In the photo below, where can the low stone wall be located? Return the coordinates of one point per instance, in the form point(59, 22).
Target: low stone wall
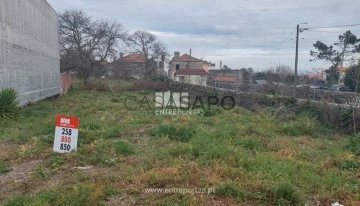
point(334, 114)
point(248, 100)
point(303, 93)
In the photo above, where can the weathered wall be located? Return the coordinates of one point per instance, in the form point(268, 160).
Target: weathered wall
point(193, 79)
point(29, 49)
point(339, 117)
point(183, 65)
point(233, 73)
point(302, 93)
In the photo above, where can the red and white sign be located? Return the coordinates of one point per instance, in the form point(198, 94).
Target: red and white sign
point(66, 134)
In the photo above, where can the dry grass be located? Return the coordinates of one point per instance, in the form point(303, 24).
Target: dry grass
point(250, 158)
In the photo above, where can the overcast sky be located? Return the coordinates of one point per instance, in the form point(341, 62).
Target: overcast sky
point(241, 33)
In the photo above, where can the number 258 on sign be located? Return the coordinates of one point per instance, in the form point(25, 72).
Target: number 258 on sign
point(66, 134)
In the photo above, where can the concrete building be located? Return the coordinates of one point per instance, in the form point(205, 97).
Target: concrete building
point(192, 76)
point(29, 49)
point(188, 69)
point(185, 62)
point(238, 74)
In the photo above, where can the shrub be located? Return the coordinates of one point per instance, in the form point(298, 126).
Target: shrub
point(9, 105)
point(354, 145)
point(124, 148)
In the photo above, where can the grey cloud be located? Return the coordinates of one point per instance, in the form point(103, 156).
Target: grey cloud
point(243, 33)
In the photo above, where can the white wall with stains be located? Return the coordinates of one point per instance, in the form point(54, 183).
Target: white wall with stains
point(29, 49)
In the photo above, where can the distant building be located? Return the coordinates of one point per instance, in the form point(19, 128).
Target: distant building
point(185, 62)
point(225, 79)
point(319, 76)
point(188, 69)
point(29, 49)
point(342, 71)
point(192, 76)
point(237, 74)
point(134, 66)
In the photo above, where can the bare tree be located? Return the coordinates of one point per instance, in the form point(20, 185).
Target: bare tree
point(85, 44)
point(147, 44)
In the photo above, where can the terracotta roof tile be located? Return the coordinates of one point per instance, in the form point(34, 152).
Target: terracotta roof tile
point(342, 69)
point(191, 72)
point(134, 58)
point(315, 76)
point(186, 58)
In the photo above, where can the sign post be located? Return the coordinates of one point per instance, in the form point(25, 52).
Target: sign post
point(66, 134)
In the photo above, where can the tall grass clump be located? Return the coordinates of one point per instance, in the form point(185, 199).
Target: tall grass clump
point(9, 105)
point(181, 134)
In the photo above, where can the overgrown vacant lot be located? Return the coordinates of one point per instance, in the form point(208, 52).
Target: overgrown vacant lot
point(249, 158)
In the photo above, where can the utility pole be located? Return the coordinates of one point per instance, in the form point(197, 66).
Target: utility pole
point(296, 54)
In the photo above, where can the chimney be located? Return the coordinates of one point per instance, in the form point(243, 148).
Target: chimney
point(176, 54)
point(221, 67)
point(121, 55)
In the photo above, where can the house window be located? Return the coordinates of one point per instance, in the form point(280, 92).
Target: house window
point(181, 79)
point(177, 67)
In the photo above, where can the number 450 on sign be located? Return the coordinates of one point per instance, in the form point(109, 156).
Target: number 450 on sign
point(66, 134)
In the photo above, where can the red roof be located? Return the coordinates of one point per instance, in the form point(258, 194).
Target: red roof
point(186, 58)
point(225, 78)
point(315, 76)
point(342, 69)
point(134, 58)
point(191, 72)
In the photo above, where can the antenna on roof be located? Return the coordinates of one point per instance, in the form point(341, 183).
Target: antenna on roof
point(190, 51)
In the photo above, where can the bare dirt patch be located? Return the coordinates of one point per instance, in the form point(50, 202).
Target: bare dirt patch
point(17, 180)
point(7, 151)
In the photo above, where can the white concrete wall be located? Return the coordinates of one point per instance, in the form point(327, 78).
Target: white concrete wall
point(29, 49)
point(192, 79)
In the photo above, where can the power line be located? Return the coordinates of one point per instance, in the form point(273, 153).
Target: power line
point(325, 27)
point(334, 32)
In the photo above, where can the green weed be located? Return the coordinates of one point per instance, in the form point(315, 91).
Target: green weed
point(124, 148)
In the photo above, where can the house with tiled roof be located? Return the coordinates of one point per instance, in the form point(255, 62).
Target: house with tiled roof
point(342, 72)
point(188, 69)
point(192, 76)
point(319, 76)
